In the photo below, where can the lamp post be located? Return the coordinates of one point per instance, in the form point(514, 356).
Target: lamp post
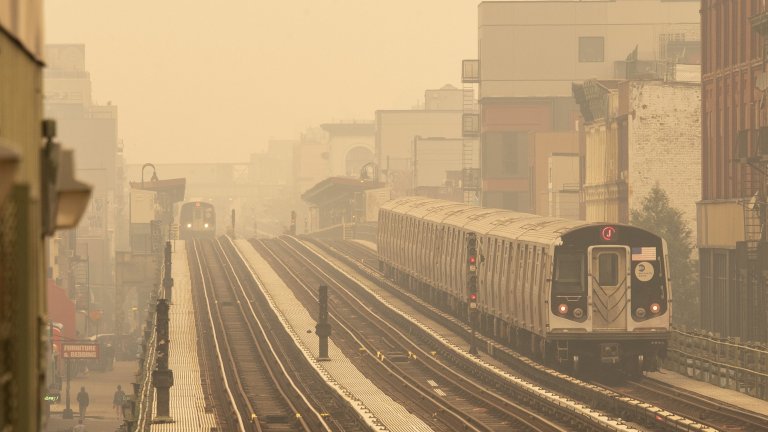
point(9, 163)
point(64, 197)
point(154, 173)
point(374, 176)
point(72, 195)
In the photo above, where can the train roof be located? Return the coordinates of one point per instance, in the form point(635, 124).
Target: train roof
point(486, 221)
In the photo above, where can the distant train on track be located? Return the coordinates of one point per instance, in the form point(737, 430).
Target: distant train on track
point(577, 293)
point(197, 219)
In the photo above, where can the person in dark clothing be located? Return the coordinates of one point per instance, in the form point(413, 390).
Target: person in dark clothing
point(117, 401)
point(82, 401)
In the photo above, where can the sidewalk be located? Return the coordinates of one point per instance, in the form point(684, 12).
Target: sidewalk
point(101, 386)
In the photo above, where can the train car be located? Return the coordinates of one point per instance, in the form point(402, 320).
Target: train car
point(197, 219)
point(577, 293)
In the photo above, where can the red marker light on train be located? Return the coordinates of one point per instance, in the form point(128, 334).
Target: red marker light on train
point(472, 259)
point(473, 297)
point(563, 309)
point(655, 308)
point(197, 204)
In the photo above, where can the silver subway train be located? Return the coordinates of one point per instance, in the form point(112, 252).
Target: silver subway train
point(197, 219)
point(577, 293)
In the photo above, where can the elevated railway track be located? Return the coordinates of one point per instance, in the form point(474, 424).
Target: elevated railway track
point(632, 400)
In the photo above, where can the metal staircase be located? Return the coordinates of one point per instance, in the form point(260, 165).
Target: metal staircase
point(753, 178)
point(754, 292)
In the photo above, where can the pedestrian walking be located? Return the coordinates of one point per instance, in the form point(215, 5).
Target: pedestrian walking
point(117, 401)
point(79, 427)
point(82, 401)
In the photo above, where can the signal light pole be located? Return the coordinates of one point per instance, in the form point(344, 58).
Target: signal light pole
point(323, 327)
point(472, 288)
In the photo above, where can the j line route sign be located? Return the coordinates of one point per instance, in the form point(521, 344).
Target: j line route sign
point(79, 351)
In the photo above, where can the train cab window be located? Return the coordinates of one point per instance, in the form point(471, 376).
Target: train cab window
point(608, 269)
point(569, 273)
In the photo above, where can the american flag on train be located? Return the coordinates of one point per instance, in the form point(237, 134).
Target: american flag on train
point(643, 254)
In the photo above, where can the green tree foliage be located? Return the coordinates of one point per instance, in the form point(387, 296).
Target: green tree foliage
point(658, 217)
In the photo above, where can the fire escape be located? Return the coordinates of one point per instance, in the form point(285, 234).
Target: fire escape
point(752, 252)
point(470, 131)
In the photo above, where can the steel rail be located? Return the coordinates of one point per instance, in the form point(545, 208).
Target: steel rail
point(619, 404)
point(718, 408)
point(468, 425)
point(216, 340)
point(715, 409)
point(493, 399)
point(272, 350)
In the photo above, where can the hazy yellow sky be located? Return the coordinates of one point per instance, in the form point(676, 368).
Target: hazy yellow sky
point(198, 80)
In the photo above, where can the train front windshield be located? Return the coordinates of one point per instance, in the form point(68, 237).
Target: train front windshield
point(569, 274)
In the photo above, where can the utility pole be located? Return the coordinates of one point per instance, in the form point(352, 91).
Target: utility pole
point(167, 279)
point(67, 413)
point(233, 223)
point(323, 327)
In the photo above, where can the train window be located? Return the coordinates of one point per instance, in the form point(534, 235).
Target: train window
point(569, 273)
point(608, 269)
point(569, 268)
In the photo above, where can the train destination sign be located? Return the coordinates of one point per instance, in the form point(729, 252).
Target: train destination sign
point(79, 351)
point(607, 233)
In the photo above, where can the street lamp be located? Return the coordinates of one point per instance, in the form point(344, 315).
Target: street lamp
point(373, 176)
point(154, 173)
point(9, 163)
point(72, 195)
point(64, 198)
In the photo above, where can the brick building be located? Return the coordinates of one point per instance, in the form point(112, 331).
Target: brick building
point(639, 133)
point(731, 214)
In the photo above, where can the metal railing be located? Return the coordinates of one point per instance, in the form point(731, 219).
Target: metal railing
point(725, 362)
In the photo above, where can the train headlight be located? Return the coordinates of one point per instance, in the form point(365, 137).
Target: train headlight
point(655, 308)
point(563, 309)
point(640, 312)
point(578, 313)
point(189, 225)
point(206, 225)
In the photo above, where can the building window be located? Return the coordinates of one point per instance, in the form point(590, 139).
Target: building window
point(505, 154)
point(591, 49)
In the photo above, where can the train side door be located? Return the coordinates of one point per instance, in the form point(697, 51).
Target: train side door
point(609, 285)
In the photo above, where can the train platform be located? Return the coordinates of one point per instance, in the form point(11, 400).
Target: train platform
point(100, 416)
point(374, 406)
point(187, 400)
point(704, 389)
